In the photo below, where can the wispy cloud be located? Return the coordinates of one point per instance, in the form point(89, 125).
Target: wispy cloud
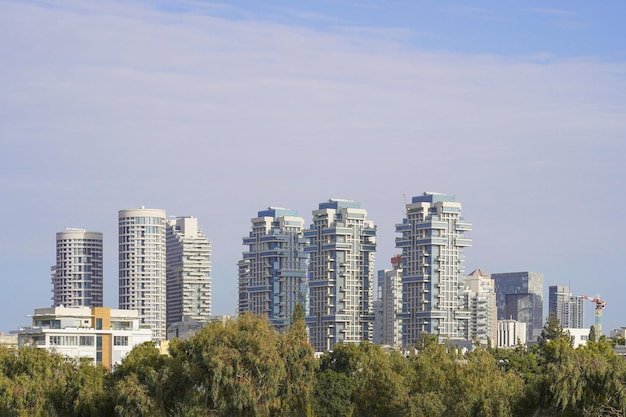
point(552, 12)
point(109, 104)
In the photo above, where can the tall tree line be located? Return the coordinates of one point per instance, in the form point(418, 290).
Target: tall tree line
point(244, 368)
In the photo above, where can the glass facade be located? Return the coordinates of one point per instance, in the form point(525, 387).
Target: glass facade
point(520, 297)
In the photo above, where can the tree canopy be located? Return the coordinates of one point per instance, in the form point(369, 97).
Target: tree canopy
point(244, 368)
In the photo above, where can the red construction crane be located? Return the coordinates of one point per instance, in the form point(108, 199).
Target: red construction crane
point(600, 304)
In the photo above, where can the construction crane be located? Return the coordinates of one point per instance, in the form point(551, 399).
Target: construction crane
point(600, 304)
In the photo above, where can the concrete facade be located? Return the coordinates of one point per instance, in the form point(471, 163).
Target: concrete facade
point(77, 276)
point(388, 306)
point(275, 279)
point(142, 271)
point(101, 334)
point(482, 307)
point(433, 243)
point(342, 244)
point(511, 333)
point(188, 272)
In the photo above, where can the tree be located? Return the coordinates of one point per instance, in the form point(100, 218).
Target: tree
point(592, 334)
point(143, 373)
point(234, 368)
point(87, 392)
point(552, 330)
point(300, 365)
point(380, 384)
point(332, 394)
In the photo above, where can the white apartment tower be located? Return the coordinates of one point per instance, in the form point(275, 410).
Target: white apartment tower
point(432, 244)
point(388, 323)
point(273, 272)
point(341, 275)
point(188, 264)
point(77, 275)
point(142, 266)
point(481, 294)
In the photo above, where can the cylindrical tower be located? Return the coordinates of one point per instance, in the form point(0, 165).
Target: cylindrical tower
point(77, 275)
point(142, 266)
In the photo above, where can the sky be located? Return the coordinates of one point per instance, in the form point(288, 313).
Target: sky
point(219, 110)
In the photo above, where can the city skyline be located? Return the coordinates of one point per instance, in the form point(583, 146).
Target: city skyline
point(215, 110)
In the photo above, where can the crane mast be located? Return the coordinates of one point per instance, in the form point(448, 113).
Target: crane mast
point(600, 304)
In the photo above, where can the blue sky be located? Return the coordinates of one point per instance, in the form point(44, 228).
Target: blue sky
point(218, 110)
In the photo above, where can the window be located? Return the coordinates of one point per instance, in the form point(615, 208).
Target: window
point(63, 340)
point(120, 340)
point(98, 324)
point(86, 341)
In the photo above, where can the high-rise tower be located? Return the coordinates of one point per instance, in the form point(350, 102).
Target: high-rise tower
point(519, 296)
point(388, 305)
point(77, 275)
point(564, 306)
point(482, 307)
point(341, 274)
point(274, 278)
point(142, 266)
point(432, 244)
point(188, 262)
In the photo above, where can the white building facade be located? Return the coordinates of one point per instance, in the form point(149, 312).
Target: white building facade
point(101, 334)
point(142, 269)
point(77, 276)
point(432, 244)
point(276, 275)
point(188, 272)
point(341, 274)
point(482, 307)
point(511, 333)
point(388, 306)
point(580, 336)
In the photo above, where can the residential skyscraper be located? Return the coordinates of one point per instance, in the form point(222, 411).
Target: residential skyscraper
point(188, 263)
point(432, 244)
point(77, 276)
point(142, 266)
point(243, 273)
point(388, 305)
point(482, 307)
point(341, 274)
point(519, 296)
point(567, 308)
point(274, 281)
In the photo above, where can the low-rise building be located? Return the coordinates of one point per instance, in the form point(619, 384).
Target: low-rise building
point(8, 340)
point(579, 336)
point(101, 334)
point(511, 333)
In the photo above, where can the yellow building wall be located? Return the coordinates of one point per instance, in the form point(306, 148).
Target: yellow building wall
point(104, 313)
